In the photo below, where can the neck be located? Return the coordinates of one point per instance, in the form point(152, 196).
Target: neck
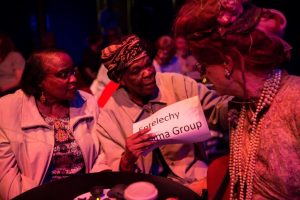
point(54, 109)
point(139, 100)
point(143, 100)
point(254, 85)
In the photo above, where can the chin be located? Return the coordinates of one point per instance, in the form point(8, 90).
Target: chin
point(71, 96)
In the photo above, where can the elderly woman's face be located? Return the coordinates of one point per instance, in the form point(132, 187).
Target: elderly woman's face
point(60, 82)
point(224, 86)
point(139, 78)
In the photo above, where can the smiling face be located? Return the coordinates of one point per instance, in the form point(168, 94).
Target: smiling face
point(60, 82)
point(139, 79)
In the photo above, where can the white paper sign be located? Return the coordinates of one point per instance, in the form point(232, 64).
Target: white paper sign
point(181, 122)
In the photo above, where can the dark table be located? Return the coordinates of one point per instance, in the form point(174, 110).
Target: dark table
point(71, 187)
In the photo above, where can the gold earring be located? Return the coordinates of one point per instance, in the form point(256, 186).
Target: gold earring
point(42, 98)
point(227, 71)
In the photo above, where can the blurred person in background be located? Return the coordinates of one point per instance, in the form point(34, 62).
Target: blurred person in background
point(11, 66)
point(165, 59)
point(186, 59)
point(91, 61)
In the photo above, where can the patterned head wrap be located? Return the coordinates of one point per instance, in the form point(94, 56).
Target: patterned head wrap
point(118, 57)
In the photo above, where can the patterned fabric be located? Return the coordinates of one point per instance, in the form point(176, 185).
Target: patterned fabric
point(277, 171)
point(67, 157)
point(118, 57)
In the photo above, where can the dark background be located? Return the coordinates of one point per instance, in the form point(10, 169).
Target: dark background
point(71, 21)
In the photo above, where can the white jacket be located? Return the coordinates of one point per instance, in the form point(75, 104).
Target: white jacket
point(27, 141)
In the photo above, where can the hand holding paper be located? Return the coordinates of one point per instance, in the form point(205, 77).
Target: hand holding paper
point(135, 146)
point(181, 122)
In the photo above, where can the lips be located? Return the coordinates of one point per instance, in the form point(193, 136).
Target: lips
point(72, 88)
point(149, 83)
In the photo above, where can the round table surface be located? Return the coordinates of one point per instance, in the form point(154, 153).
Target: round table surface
point(70, 188)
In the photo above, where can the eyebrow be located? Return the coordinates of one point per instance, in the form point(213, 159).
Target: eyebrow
point(67, 68)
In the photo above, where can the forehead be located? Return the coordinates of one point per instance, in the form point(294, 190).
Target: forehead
point(56, 61)
point(140, 63)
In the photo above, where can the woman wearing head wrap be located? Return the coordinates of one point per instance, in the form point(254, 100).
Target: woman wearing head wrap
point(239, 46)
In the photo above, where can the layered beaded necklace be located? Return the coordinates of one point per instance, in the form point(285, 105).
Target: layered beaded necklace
point(242, 168)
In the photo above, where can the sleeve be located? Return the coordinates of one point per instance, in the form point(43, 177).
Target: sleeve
point(100, 163)
point(12, 182)
point(296, 111)
point(111, 147)
point(215, 107)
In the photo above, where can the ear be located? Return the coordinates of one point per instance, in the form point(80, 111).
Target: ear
point(121, 81)
point(229, 63)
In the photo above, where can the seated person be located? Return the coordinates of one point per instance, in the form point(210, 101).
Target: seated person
point(11, 66)
point(91, 61)
point(165, 59)
point(186, 60)
point(99, 82)
point(142, 92)
point(241, 51)
point(45, 127)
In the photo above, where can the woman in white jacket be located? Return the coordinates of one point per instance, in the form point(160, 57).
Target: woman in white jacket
point(46, 127)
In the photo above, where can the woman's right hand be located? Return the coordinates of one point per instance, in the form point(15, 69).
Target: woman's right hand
point(136, 144)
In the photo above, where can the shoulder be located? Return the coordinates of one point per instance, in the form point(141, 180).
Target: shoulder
point(11, 99)
point(15, 55)
point(86, 96)
point(290, 86)
point(86, 101)
point(174, 78)
point(288, 96)
point(11, 105)
point(118, 99)
point(179, 85)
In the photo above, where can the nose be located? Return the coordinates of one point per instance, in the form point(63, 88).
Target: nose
point(73, 78)
point(148, 71)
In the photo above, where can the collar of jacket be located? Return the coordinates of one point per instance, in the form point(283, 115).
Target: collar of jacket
point(31, 117)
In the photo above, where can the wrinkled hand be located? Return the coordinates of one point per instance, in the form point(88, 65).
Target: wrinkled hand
point(135, 145)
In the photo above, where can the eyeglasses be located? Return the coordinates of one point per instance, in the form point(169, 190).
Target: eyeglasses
point(65, 74)
point(201, 68)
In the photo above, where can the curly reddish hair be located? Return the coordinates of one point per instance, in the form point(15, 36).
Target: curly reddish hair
point(210, 41)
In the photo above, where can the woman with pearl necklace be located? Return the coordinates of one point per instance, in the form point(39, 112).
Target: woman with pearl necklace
point(239, 48)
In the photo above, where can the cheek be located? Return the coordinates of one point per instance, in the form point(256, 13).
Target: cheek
point(217, 78)
point(214, 74)
point(55, 87)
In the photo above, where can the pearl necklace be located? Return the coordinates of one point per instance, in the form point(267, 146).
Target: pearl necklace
point(242, 173)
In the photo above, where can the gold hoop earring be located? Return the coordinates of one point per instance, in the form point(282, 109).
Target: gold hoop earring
point(227, 71)
point(43, 98)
